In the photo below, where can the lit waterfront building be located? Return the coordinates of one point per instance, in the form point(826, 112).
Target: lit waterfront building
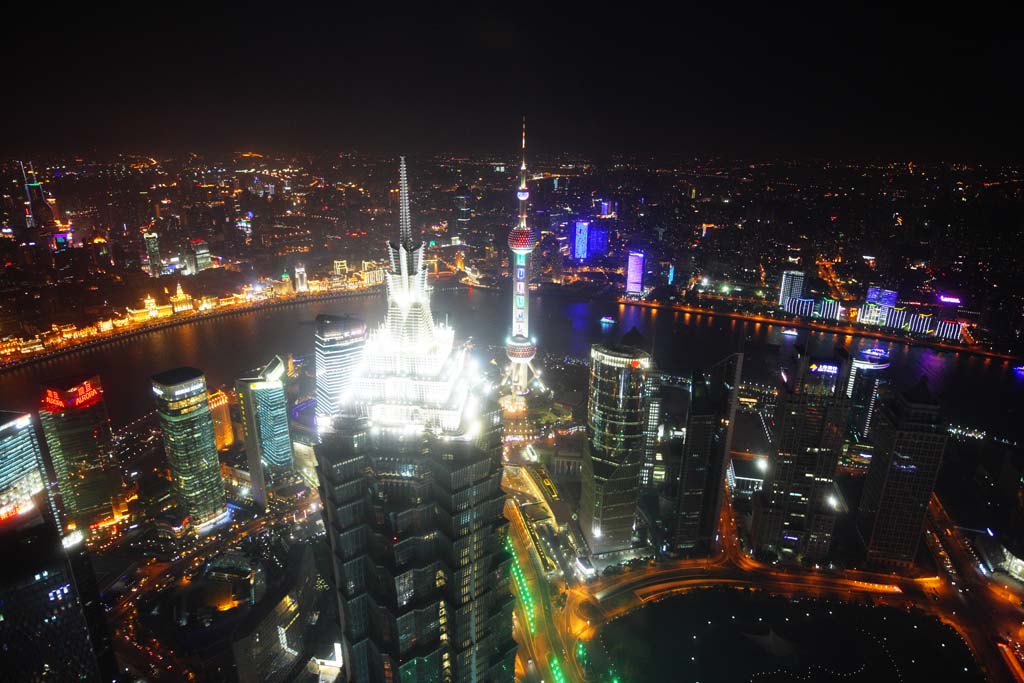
point(829, 309)
point(800, 307)
point(614, 448)
point(922, 323)
point(795, 512)
point(949, 330)
point(520, 347)
point(338, 352)
point(180, 301)
point(410, 481)
point(635, 272)
point(301, 285)
point(76, 428)
point(909, 442)
point(791, 287)
point(182, 404)
point(268, 442)
point(223, 429)
point(23, 473)
point(897, 318)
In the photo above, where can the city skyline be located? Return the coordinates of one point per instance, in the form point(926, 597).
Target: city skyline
point(354, 417)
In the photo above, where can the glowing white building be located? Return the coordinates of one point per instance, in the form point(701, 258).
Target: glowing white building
point(410, 481)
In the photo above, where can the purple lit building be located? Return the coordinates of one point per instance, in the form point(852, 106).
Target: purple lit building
point(635, 273)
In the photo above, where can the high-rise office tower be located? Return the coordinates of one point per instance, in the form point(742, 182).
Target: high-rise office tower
point(338, 352)
point(521, 240)
point(581, 234)
point(614, 448)
point(635, 272)
point(410, 480)
point(200, 254)
point(23, 473)
point(791, 287)
point(301, 285)
point(53, 624)
point(463, 211)
point(909, 442)
point(867, 376)
point(76, 427)
point(652, 423)
point(152, 241)
point(709, 425)
point(268, 443)
point(184, 410)
point(795, 512)
point(220, 411)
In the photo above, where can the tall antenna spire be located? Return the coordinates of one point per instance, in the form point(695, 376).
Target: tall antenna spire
point(524, 193)
point(404, 221)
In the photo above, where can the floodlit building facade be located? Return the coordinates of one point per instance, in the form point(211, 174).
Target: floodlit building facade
point(338, 352)
point(268, 441)
point(191, 448)
point(614, 448)
point(410, 481)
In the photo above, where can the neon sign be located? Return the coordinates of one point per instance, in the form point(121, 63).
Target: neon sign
point(826, 368)
point(949, 299)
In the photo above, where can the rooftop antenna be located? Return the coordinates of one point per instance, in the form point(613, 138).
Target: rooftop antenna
point(404, 220)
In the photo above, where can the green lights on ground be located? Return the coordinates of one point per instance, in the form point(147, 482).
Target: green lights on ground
point(524, 592)
point(556, 670)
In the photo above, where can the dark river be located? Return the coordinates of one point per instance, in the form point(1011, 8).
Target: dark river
point(975, 391)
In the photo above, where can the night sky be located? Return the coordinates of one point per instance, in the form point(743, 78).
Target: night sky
point(776, 80)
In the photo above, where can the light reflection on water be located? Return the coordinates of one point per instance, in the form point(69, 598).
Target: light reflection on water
point(976, 391)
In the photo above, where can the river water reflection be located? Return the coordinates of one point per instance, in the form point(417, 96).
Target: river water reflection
point(975, 391)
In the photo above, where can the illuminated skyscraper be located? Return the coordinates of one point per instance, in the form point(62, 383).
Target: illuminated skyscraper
point(182, 403)
point(614, 449)
point(866, 379)
point(223, 429)
point(909, 442)
point(580, 238)
point(77, 430)
point(635, 273)
point(152, 241)
point(23, 474)
point(521, 240)
point(791, 287)
point(338, 348)
point(652, 425)
point(268, 443)
point(463, 211)
point(795, 512)
point(201, 255)
point(410, 480)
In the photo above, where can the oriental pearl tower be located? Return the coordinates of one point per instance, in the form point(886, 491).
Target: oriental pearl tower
point(520, 347)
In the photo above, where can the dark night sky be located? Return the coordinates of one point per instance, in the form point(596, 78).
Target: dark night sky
point(810, 81)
